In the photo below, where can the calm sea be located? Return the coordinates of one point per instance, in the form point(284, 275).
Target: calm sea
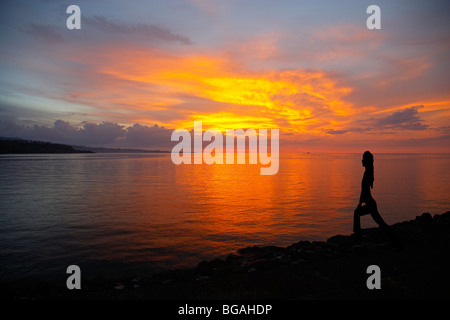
point(114, 214)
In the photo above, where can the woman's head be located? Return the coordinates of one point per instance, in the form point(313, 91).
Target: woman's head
point(367, 160)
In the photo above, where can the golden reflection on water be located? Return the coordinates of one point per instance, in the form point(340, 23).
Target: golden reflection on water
point(225, 207)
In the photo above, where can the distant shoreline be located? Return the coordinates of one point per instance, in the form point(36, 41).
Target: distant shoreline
point(22, 146)
point(36, 147)
point(118, 150)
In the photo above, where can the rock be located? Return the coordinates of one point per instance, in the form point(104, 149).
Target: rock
point(271, 251)
point(425, 218)
point(249, 250)
point(167, 281)
point(202, 266)
point(304, 243)
point(442, 218)
point(199, 278)
point(232, 257)
point(209, 266)
point(216, 263)
point(319, 249)
point(333, 246)
point(238, 269)
point(308, 253)
point(342, 241)
point(119, 286)
point(244, 263)
point(437, 218)
point(335, 254)
point(261, 264)
point(298, 261)
point(358, 249)
point(299, 245)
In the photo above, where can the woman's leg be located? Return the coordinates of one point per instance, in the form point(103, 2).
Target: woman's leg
point(359, 211)
point(383, 225)
point(376, 215)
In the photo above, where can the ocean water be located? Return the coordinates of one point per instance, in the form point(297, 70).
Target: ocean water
point(118, 214)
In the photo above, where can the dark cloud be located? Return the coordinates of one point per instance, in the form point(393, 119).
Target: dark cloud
point(102, 133)
point(445, 129)
point(407, 119)
point(64, 132)
point(148, 31)
point(332, 131)
point(105, 134)
point(45, 32)
point(155, 136)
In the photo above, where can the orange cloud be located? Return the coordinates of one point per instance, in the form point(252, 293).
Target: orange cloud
point(154, 86)
point(230, 94)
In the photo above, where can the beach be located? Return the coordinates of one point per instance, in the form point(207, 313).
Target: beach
point(331, 269)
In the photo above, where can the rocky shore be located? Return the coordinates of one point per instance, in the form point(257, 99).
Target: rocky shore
point(331, 269)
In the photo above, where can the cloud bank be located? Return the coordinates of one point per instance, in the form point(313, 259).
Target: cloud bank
point(105, 134)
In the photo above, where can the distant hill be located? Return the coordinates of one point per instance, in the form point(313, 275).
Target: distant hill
point(116, 150)
point(17, 145)
point(14, 145)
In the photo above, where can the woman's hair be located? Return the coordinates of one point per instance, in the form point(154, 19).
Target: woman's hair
point(368, 158)
point(368, 163)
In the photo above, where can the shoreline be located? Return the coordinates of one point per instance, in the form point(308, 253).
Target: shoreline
point(331, 269)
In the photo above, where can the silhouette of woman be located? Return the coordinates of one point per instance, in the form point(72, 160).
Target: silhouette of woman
point(370, 205)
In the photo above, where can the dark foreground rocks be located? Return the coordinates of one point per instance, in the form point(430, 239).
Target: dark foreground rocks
point(332, 269)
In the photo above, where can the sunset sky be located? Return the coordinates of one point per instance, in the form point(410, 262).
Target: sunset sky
point(138, 70)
